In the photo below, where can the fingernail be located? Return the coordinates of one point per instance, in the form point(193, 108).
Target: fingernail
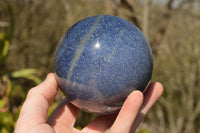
point(48, 75)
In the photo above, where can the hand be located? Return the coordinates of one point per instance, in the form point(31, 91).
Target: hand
point(33, 115)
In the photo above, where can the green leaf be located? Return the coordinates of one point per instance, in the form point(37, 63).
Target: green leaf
point(78, 127)
point(4, 130)
point(24, 72)
point(2, 103)
point(2, 36)
point(5, 48)
point(9, 86)
point(6, 118)
point(28, 74)
point(34, 78)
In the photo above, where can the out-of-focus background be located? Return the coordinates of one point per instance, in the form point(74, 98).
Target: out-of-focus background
point(31, 29)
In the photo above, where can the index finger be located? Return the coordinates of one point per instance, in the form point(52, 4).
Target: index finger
point(35, 108)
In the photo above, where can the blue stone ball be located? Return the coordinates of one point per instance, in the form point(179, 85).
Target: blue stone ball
point(100, 60)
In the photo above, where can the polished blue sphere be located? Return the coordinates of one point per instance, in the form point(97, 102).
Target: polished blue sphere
point(100, 60)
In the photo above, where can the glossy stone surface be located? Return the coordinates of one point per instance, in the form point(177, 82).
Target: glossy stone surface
point(100, 60)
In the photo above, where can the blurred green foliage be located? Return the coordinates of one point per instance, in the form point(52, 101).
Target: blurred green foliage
point(4, 47)
point(28, 74)
point(30, 31)
point(9, 112)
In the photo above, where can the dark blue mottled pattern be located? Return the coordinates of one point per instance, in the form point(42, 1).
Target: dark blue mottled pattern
point(100, 60)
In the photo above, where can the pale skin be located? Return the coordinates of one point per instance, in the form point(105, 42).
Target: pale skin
point(33, 116)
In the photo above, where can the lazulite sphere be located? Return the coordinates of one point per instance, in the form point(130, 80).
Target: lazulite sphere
point(100, 60)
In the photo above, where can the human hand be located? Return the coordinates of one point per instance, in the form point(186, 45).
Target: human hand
point(33, 115)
